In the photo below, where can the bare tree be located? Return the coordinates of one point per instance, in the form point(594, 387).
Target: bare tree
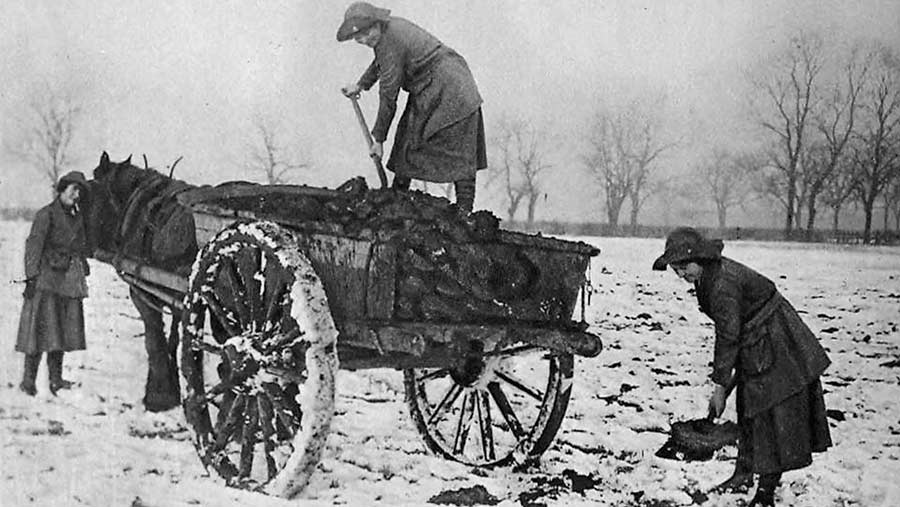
point(876, 149)
point(49, 127)
point(522, 158)
point(269, 154)
point(608, 161)
point(645, 148)
point(837, 188)
point(726, 176)
point(787, 98)
point(834, 121)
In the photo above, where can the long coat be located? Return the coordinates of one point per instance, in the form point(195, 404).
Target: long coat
point(777, 362)
point(443, 98)
point(759, 336)
point(56, 260)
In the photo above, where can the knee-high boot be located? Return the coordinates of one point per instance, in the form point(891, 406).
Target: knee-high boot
point(765, 492)
point(465, 195)
point(54, 365)
point(29, 373)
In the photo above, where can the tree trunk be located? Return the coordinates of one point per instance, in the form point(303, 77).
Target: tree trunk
point(810, 216)
point(835, 218)
point(722, 212)
point(868, 209)
point(512, 208)
point(613, 207)
point(634, 218)
point(789, 215)
point(532, 205)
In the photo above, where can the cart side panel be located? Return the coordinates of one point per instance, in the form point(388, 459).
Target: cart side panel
point(382, 281)
point(477, 282)
point(343, 264)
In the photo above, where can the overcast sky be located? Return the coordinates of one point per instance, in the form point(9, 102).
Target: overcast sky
point(173, 77)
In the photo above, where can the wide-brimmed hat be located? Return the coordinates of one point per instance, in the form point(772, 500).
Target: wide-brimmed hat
point(76, 177)
point(360, 16)
point(687, 244)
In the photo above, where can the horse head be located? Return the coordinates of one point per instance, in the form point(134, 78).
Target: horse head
point(134, 212)
point(112, 184)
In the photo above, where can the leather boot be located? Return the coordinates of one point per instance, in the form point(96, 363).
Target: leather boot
point(739, 482)
point(54, 365)
point(29, 374)
point(465, 195)
point(765, 492)
point(401, 183)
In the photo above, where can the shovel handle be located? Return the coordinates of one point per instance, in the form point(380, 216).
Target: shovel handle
point(368, 135)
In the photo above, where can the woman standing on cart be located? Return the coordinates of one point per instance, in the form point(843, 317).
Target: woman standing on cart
point(440, 137)
point(764, 348)
point(56, 268)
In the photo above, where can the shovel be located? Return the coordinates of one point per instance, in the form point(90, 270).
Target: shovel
point(365, 129)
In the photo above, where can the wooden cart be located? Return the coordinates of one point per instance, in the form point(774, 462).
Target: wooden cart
point(281, 294)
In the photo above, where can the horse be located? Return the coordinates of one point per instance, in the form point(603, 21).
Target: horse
point(133, 213)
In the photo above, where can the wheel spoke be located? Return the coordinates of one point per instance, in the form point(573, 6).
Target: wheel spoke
point(225, 409)
point(273, 298)
point(248, 438)
point(232, 279)
point(231, 424)
point(464, 423)
point(290, 401)
point(267, 424)
point(520, 385)
point(484, 424)
point(248, 264)
point(506, 410)
point(223, 316)
point(447, 401)
point(283, 416)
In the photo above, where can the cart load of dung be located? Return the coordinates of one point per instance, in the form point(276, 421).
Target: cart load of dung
point(443, 266)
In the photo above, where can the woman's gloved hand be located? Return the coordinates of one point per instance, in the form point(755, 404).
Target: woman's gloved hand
point(351, 90)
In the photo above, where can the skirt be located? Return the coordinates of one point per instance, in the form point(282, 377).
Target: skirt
point(50, 322)
point(784, 436)
point(453, 153)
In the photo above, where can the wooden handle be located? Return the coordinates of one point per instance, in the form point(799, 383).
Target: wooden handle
point(368, 135)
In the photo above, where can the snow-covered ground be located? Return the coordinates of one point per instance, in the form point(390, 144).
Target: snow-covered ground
point(95, 445)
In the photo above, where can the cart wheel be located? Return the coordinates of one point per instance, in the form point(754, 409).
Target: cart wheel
point(487, 410)
point(258, 358)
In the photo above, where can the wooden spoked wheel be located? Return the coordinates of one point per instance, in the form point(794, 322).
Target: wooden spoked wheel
point(491, 409)
point(258, 358)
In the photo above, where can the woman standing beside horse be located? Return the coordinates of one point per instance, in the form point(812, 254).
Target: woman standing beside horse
point(52, 318)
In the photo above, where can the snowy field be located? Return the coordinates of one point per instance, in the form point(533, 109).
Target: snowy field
point(96, 445)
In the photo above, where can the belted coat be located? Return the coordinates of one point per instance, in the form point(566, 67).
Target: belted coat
point(56, 260)
point(440, 137)
point(759, 336)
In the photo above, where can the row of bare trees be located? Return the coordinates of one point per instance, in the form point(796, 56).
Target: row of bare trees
point(832, 121)
point(53, 119)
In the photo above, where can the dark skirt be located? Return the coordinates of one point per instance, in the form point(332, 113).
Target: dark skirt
point(784, 436)
point(50, 322)
point(453, 153)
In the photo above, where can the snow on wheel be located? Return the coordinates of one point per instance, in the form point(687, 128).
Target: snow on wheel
point(491, 409)
point(258, 357)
